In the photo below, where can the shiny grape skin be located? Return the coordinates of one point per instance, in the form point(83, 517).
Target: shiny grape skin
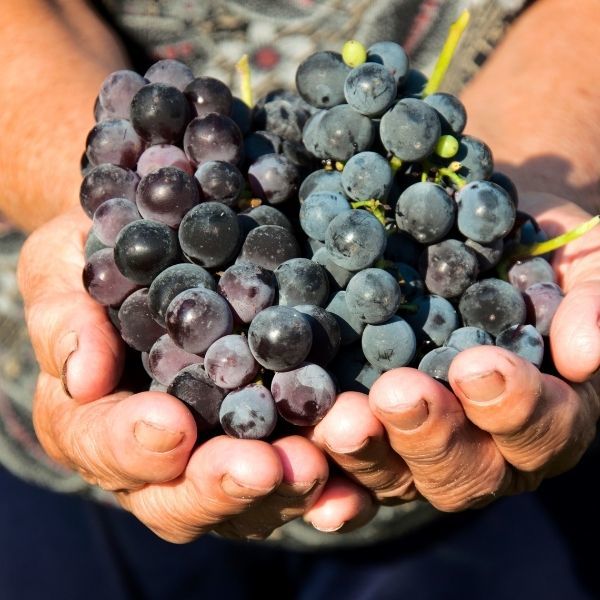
point(449, 268)
point(229, 362)
point(338, 276)
point(410, 130)
point(166, 359)
point(542, 301)
point(249, 413)
point(160, 114)
point(392, 56)
point(351, 327)
point(524, 273)
point(426, 212)
point(367, 175)
point(104, 182)
point(209, 95)
point(304, 395)
point(117, 92)
point(196, 318)
point(137, 326)
point(355, 239)
point(166, 195)
point(111, 216)
point(172, 281)
point(273, 178)
point(325, 331)
point(163, 155)
point(320, 181)
point(268, 246)
point(280, 338)
point(475, 157)
point(389, 345)
point(493, 305)
point(469, 337)
point(525, 341)
point(144, 248)
point(213, 137)
point(114, 141)
point(485, 212)
point(301, 281)
point(318, 210)
point(209, 234)
point(249, 288)
point(170, 72)
point(436, 363)
point(220, 181)
point(370, 89)
point(451, 112)
point(201, 395)
point(373, 296)
point(103, 281)
point(435, 319)
point(320, 79)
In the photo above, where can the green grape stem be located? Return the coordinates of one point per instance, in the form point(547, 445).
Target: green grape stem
point(375, 207)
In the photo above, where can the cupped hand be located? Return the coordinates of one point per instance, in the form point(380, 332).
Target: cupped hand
point(142, 447)
point(504, 426)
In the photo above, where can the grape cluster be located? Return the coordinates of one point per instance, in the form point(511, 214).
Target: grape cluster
point(262, 260)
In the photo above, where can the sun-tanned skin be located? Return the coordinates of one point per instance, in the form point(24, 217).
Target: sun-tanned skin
point(503, 427)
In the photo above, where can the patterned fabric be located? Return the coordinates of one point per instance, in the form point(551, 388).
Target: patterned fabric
point(211, 36)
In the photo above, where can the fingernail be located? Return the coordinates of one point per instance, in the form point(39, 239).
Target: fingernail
point(239, 490)
point(67, 347)
point(406, 413)
point(328, 529)
point(155, 438)
point(349, 449)
point(483, 387)
point(298, 489)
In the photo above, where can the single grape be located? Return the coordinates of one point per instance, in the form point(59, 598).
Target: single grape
point(488, 255)
point(435, 319)
point(321, 181)
point(450, 110)
point(170, 72)
point(264, 215)
point(436, 363)
point(535, 269)
point(137, 326)
point(301, 281)
point(280, 338)
point(111, 216)
point(213, 137)
point(389, 345)
point(220, 181)
point(241, 115)
point(475, 158)
point(392, 56)
point(351, 327)
point(318, 210)
point(525, 341)
point(373, 296)
point(229, 362)
point(325, 332)
point(542, 301)
point(248, 413)
point(166, 359)
point(354, 53)
point(104, 182)
point(114, 141)
point(469, 337)
point(304, 395)
point(259, 143)
point(370, 89)
point(163, 155)
point(248, 288)
point(320, 79)
point(268, 246)
point(273, 178)
point(285, 117)
point(196, 318)
point(117, 92)
point(367, 175)
point(209, 95)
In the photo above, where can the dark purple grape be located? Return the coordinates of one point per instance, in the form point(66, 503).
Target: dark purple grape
point(320, 79)
point(172, 281)
point(285, 117)
point(273, 178)
point(104, 182)
point(220, 181)
point(524, 273)
point(389, 345)
point(436, 363)
point(259, 143)
point(160, 114)
point(301, 281)
point(248, 288)
point(114, 141)
point(493, 305)
point(213, 137)
point(249, 413)
point(268, 246)
point(170, 72)
point(229, 362)
point(525, 341)
point(325, 331)
point(209, 95)
point(280, 338)
point(166, 195)
point(137, 326)
point(373, 296)
point(201, 395)
point(196, 318)
point(103, 281)
point(111, 216)
point(209, 234)
point(542, 301)
point(163, 155)
point(117, 92)
point(304, 395)
point(145, 248)
point(166, 359)
point(241, 114)
point(265, 215)
point(488, 255)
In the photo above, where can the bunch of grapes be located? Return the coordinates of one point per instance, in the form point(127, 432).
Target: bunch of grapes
point(261, 260)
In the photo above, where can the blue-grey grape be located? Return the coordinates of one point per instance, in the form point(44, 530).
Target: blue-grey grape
point(318, 210)
point(301, 281)
point(249, 413)
point(370, 89)
point(367, 175)
point(525, 341)
point(373, 295)
point(389, 345)
point(436, 362)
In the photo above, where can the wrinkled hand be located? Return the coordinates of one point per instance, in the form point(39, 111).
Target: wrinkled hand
point(505, 426)
point(142, 446)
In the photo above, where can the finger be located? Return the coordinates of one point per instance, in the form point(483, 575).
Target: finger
point(455, 465)
point(118, 442)
point(575, 332)
point(356, 440)
point(225, 477)
point(305, 471)
point(539, 423)
point(343, 506)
